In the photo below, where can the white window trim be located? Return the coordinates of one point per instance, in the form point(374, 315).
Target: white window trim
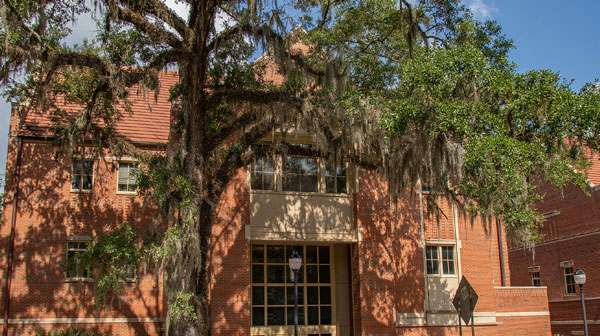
point(83, 191)
point(126, 193)
point(321, 176)
point(78, 239)
point(439, 244)
point(533, 270)
point(564, 275)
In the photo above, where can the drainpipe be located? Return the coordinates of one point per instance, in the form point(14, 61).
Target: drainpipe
point(422, 224)
point(11, 242)
point(501, 251)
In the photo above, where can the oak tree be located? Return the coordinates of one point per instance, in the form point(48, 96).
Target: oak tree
point(418, 90)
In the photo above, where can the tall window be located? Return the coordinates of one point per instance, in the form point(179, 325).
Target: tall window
point(82, 175)
point(74, 270)
point(436, 255)
point(300, 174)
point(262, 175)
point(569, 281)
point(273, 288)
point(335, 179)
point(535, 278)
point(127, 177)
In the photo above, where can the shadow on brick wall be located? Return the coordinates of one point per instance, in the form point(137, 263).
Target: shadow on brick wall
point(50, 215)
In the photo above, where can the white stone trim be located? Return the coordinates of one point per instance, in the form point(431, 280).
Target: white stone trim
point(523, 314)
point(574, 322)
point(577, 299)
point(519, 287)
point(558, 240)
point(441, 319)
point(77, 320)
point(411, 319)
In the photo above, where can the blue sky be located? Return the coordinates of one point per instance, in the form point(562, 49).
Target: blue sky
point(551, 34)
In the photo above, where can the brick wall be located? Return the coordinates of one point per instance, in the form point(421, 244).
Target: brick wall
point(230, 262)
point(48, 214)
point(387, 266)
point(389, 259)
point(522, 311)
point(389, 271)
point(571, 233)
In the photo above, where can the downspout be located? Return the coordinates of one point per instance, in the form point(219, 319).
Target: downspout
point(11, 242)
point(457, 238)
point(501, 251)
point(422, 224)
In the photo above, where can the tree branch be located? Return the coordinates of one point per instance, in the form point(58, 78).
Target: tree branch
point(159, 10)
point(252, 96)
point(152, 30)
point(267, 32)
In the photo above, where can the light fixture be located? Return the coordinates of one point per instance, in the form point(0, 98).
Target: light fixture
point(295, 263)
point(579, 276)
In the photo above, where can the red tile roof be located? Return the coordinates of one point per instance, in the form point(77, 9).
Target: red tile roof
point(147, 122)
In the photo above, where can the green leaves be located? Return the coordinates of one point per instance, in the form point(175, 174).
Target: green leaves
point(180, 308)
point(113, 258)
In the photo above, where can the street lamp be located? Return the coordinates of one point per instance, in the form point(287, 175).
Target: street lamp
point(579, 277)
point(295, 264)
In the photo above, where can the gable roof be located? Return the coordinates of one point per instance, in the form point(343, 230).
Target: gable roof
point(148, 120)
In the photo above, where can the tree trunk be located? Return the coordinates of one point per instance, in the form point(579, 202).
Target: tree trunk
point(196, 213)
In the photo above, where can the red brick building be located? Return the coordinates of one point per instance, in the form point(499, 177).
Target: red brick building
point(370, 266)
point(571, 239)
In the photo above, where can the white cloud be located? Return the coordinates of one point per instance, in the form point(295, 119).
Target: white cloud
point(481, 10)
point(180, 7)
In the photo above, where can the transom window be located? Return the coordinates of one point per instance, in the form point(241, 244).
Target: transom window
point(82, 175)
point(127, 177)
point(74, 270)
point(440, 255)
point(273, 288)
point(569, 281)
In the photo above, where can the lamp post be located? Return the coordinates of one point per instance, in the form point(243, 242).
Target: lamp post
point(579, 277)
point(295, 264)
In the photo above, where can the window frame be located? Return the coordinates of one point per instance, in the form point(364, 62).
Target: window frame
point(77, 277)
point(81, 176)
point(303, 302)
point(284, 173)
point(129, 163)
point(279, 167)
point(335, 178)
point(535, 278)
point(534, 275)
point(440, 260)
point(566, 277)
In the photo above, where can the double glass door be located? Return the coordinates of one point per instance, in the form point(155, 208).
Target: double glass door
point(273, 289)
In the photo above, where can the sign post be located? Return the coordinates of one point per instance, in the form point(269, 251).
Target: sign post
point(459, 322)
point(464, 301)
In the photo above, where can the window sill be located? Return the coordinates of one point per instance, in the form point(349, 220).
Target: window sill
point(79, 191)
point(76, 280)
point(127, 193)
point(443, 275)
point(300, 193)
